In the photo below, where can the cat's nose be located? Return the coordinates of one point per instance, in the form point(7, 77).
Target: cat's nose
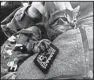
point(72, 25)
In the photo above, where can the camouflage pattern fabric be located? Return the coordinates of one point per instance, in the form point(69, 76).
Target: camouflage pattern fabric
point(19, 47)
point(18, 26)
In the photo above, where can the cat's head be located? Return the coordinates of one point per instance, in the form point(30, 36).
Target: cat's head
point(66, 18)
point(60, 21)
point(72, 15)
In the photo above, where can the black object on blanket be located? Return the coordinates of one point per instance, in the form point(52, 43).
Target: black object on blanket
point(44, 60)
point(22, 48)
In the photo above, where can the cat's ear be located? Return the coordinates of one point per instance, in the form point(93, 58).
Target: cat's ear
point(76, 10)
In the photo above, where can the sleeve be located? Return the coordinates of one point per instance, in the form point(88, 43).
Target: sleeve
point(20, 20)
point(25, 43)
point(7, 20)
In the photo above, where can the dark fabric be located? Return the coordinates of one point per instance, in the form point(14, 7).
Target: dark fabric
point(8, 8)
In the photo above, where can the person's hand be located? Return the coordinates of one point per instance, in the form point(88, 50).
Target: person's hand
point(42, 46)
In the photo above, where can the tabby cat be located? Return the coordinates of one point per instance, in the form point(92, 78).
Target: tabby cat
point(61, 21)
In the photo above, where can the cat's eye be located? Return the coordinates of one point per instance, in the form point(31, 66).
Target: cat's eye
point(64, 19)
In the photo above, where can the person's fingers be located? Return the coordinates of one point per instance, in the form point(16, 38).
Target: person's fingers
point(44, 44)
point(36, 49)
point(42, 47)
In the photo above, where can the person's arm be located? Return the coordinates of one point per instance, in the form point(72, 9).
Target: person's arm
point(23, 18)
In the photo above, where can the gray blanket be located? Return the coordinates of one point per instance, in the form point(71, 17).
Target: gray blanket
point(70, 62)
